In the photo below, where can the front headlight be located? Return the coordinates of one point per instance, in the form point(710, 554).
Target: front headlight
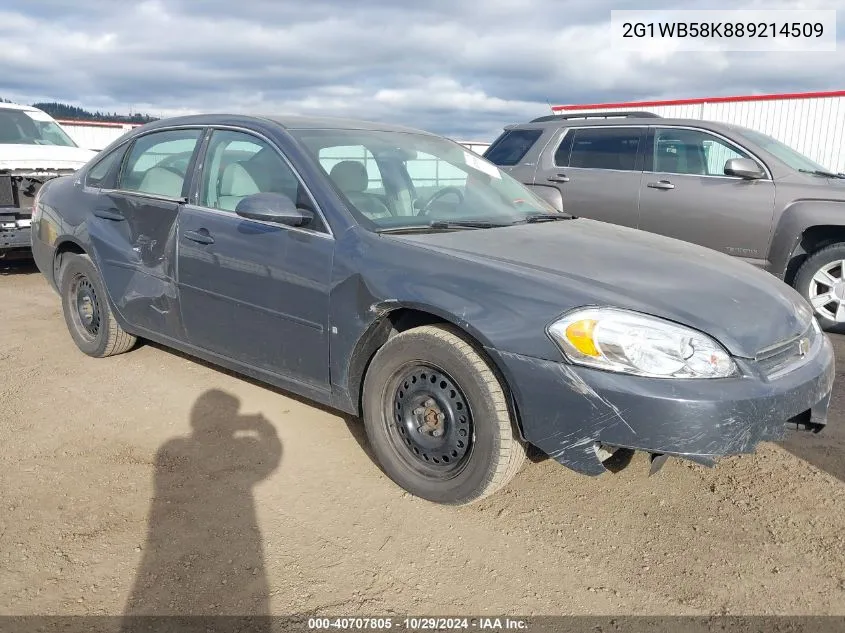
point(629, 342)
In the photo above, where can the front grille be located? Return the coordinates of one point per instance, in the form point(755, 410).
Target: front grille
point(18, 189)
point(27, 188)
point(7, 195)
point(785, 357)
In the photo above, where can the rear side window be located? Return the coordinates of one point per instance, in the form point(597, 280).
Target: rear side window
point(605, 148)
point(158, 163)
point(101, 175)
point(511, 146)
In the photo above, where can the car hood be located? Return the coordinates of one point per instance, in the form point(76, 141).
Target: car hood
point(595, 263)
point(43, 157)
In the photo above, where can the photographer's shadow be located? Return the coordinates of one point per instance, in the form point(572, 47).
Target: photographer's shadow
point(203, 554)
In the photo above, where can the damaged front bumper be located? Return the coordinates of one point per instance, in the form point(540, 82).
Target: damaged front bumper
point(15, 232)
point(18, 189)
point(575, 414)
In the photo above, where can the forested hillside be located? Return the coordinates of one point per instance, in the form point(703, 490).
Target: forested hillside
point(64, 111)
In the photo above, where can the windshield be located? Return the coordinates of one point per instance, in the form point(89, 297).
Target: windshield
point(31, 127)
point(394, 180)
point(791, 157)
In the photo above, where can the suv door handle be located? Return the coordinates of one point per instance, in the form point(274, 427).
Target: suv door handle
point(661, 184)
point(201, 236)
point(559, 178)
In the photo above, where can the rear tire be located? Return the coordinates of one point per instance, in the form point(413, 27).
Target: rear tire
point(818, 277)
point(86, 309)
point(437, 417)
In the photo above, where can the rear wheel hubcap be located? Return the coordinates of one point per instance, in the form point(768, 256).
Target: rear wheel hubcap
point(827, 291)
point(87, 307)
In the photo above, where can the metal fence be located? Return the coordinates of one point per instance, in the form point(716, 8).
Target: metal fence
point(94, 135)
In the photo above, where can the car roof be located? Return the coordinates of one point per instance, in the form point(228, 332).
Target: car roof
point(290, 122)
point(596, 120)
point(339, 123)
point(18, 106)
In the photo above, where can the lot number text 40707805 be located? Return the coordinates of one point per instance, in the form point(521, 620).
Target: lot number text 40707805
point(418, 624)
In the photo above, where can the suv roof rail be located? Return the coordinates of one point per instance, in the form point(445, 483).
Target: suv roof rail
point(597, 115)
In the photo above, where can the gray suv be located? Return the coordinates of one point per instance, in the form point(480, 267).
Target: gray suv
point(723, 186)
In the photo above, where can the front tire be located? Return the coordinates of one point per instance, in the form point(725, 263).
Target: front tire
point(437, 417)
point(821, 281)
point(86, 309)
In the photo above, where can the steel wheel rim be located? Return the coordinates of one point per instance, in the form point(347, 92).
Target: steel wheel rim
point(85, 307)
point(429, 420)
point(827, 291)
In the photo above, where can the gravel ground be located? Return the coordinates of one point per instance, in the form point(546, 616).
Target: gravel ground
point(153, 483)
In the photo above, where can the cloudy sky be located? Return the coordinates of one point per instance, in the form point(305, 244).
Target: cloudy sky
point(458, 67)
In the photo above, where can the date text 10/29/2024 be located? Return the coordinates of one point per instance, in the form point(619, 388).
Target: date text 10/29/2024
point(418, 624)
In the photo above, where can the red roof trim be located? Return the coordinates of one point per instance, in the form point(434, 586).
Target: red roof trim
point(675, 102)
point(95, 123)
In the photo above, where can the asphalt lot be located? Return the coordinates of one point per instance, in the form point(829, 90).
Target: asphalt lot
point(153, 483)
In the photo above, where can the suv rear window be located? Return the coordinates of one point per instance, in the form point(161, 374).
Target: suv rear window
point(604, 148)
point(511, 146)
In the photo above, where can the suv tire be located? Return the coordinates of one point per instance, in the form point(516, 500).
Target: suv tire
point(823, 274)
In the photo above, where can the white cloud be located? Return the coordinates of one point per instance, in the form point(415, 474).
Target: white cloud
point(462, 68)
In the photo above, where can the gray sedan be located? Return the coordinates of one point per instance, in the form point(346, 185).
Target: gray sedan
point(392, 274)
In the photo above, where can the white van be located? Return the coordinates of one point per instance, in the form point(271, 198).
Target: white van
point(33, 149)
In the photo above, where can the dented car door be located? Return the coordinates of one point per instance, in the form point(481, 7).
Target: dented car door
point(133, 230)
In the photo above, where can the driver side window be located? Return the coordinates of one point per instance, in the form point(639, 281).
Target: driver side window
point(238, 165)
point(692, 152)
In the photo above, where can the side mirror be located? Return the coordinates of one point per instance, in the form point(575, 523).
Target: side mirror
point(273, 207)
point(744, 168)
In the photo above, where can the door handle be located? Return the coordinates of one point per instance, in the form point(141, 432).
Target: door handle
point(108, 214)
point(559, 178)
point(661, 184)
point(200, 237)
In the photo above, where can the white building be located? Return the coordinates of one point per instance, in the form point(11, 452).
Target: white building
point(811, 122)
point(94, 135)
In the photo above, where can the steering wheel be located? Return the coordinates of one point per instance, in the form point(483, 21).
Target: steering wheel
point(439, 194)
point(370, 205)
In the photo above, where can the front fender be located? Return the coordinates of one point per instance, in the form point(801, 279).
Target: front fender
point(462, 292)
point(357, 336)
point(796, 218)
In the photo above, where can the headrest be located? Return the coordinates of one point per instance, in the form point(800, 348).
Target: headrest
point(350, 175)
point(236, 181)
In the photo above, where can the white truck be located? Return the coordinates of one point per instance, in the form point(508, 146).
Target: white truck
point(33, 149)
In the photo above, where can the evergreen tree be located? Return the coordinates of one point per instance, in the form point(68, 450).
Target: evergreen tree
point(66, 111)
